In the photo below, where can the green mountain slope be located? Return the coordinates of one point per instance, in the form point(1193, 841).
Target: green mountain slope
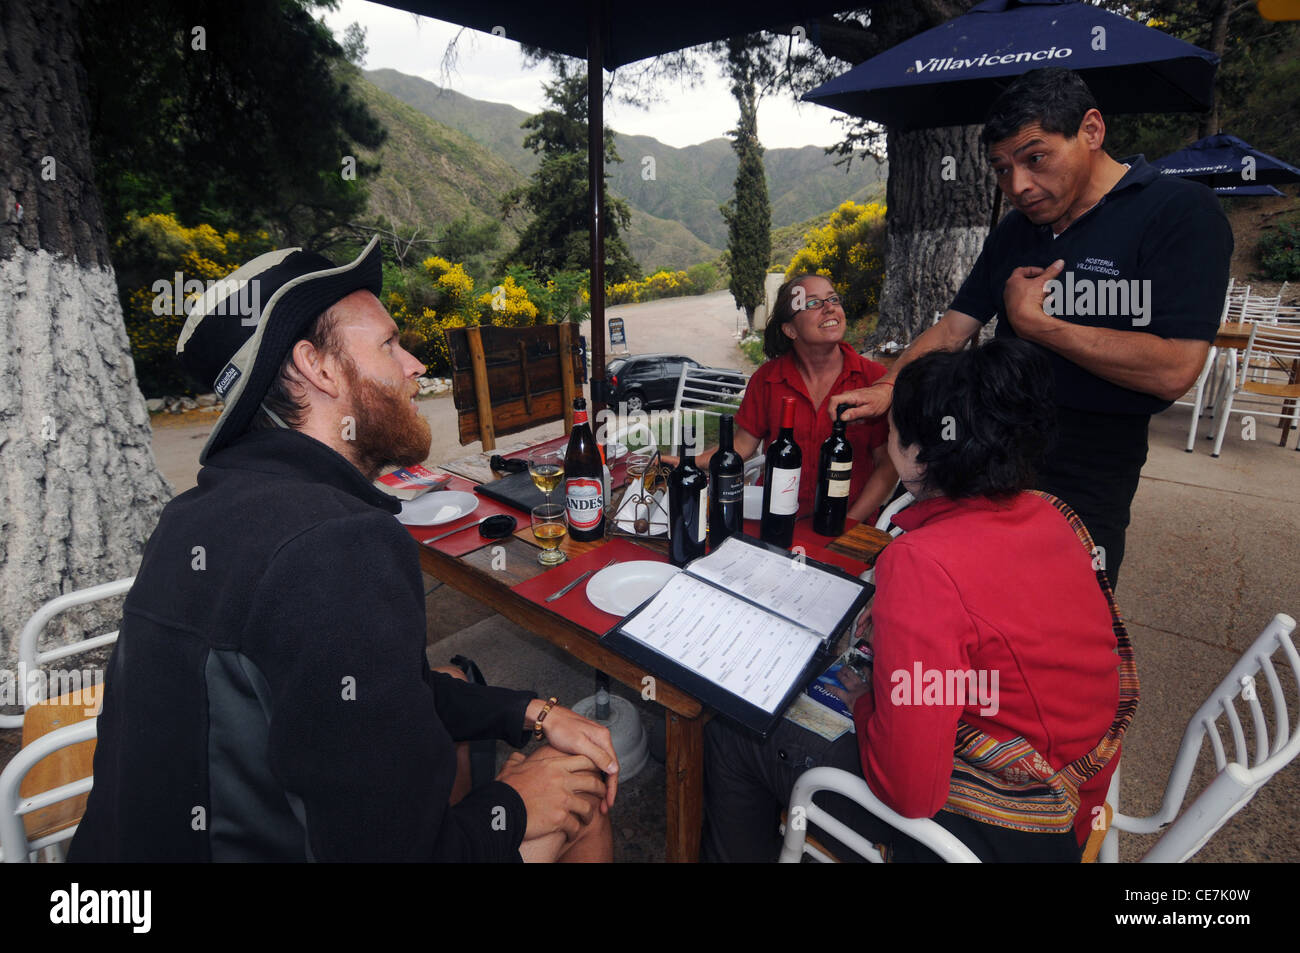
point(687, 185)
point(432, 174)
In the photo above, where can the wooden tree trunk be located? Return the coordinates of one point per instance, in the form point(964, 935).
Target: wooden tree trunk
point(80, 491)
point(940, 199)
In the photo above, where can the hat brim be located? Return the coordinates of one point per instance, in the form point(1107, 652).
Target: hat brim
point(283, 321)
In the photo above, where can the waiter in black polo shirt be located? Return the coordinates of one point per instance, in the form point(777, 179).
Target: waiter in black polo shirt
point(1117, 271)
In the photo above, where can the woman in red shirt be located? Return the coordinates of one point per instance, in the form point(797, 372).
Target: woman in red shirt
point(809, 361)
point(992, 627)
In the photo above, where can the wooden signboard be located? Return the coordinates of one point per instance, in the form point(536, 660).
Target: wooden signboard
point(504, 380)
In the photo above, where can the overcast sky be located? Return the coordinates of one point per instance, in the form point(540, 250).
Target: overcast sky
point(491, 68)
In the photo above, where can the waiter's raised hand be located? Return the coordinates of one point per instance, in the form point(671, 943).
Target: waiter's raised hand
point(1023, 297)
point(864, 402)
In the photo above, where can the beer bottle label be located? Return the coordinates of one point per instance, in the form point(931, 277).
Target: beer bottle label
point(579, 417)
point(785, 491)
point(583, 500)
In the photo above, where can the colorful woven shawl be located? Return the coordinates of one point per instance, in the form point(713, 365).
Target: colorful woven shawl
point(1008, 783)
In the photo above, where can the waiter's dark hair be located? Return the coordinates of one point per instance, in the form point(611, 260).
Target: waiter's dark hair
point(1055, 98)
point(982, 417)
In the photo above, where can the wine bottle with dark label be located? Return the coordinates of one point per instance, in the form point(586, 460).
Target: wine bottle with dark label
point(584, 487)
point(688, 504)
point(781, 482)
point(726, 486)
point(834, 473)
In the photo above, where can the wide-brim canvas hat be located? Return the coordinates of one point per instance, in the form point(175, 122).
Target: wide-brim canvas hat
point(239, 332)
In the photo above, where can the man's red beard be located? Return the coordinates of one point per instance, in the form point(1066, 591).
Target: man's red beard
point(389, 430)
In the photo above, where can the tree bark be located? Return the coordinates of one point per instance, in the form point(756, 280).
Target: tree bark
point(80, 491)
point(939, 197)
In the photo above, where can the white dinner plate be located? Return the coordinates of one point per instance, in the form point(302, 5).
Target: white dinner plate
point(615, 451)
point(441, 506)
point(753, 502)
point(620, 589)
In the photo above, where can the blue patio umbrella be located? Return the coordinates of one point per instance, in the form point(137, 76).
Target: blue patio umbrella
point(951, 74)
point(1225, 162)
point(1240, 190)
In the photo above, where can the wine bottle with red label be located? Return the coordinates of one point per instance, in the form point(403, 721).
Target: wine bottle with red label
point(781, 482)
point(688, 504)
point(834, 473)
point(584, 486)
point(726, 486)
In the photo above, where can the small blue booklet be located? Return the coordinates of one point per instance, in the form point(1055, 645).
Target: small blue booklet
point(858, 659)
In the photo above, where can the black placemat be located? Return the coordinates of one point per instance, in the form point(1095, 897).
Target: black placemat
point(519, 491)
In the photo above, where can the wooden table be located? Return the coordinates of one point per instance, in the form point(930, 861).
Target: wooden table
point(480, 575)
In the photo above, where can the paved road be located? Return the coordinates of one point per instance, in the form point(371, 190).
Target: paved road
point(702, 327)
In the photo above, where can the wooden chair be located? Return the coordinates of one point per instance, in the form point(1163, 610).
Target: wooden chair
point(504, 380)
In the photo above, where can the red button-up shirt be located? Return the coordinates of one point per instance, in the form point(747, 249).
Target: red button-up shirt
point(760, 415)
point(1002, 589)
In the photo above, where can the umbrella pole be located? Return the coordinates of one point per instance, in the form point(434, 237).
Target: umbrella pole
point(596, 179)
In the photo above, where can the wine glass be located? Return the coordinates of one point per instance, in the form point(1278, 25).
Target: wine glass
point(546, 467)
point(549, 529)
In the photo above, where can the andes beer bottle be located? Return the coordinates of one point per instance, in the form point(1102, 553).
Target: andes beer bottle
point(584, 487)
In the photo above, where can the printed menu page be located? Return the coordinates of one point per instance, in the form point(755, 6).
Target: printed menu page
point(738, 646)
point(787, 587)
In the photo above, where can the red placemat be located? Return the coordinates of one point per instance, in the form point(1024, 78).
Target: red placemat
point(574, 605)
point(469, 540)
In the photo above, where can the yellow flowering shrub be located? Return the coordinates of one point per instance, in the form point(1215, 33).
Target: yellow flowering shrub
point(152, 252)
point(848, 251)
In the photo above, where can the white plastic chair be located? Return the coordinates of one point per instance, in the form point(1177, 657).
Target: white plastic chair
point(1198, 403)
point(31, 659)
point(1269, 345)
point(702, 389)
point(1237, 780)
point(803, 811)
point(14, 846)
point(887, 514)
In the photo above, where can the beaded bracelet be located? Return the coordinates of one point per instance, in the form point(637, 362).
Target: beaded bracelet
point(541, 717)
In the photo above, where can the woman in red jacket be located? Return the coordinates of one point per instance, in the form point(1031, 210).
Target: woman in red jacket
point(995, 644)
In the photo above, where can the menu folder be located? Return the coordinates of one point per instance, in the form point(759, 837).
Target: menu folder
point(744, 629)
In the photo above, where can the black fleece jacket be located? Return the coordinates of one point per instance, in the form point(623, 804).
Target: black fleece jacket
point(268, 698)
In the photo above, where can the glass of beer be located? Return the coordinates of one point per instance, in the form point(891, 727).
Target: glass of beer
point(546, 467)
point(549, 529)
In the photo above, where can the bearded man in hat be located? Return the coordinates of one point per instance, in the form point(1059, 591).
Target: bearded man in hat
point(268, 697)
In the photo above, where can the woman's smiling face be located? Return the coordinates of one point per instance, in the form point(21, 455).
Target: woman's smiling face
point(815, 326)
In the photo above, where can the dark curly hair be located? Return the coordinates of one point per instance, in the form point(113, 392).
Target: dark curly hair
point(775, 342)
point(982, 417)
point(1055, 98)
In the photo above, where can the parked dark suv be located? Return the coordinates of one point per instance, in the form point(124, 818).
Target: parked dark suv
point(647, 381)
